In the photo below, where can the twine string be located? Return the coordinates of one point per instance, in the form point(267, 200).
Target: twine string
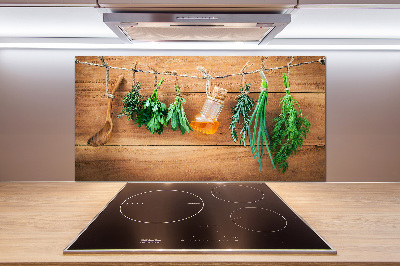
point(108, 94)
point(134, 73)
point(177, 88)
point(263, 59)
point(289, 64)
point(288, 70)
point(243, 71)
point(321, 60)
point(155, 76)
point(207, 77)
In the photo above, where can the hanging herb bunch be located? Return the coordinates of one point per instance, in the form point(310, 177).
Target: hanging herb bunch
point(259, 137)
point(176, 114)
point(132, 102)
point(290, 129)
point(153, 114)
point(243, 109)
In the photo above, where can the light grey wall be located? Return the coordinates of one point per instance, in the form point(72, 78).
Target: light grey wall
point(37, 112)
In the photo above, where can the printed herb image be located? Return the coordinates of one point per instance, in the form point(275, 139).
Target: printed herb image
point(242, 110)
point(154, 113)
point(217, 118)
point(176, 114)
point(260, 136)
point(290, 129)
point(132, 103)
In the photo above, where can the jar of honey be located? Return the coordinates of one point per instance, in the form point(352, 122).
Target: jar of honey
point(207, 122)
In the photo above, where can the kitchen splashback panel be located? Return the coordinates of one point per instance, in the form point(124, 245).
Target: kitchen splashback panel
point(135, 154)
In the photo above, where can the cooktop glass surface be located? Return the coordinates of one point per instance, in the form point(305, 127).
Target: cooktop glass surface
point(198, 217)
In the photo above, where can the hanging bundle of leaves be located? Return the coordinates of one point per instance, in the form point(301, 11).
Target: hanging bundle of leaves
point(290, 130)
point(153, 114)
point(242, 109)
point(132, 103)
point(176, 114)
point(259, 137)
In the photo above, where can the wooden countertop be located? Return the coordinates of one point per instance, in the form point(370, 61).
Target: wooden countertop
point(360, 220)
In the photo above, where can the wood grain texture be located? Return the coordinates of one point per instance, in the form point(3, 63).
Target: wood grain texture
point(360, 220)
point(307, 86)
point(191, 163)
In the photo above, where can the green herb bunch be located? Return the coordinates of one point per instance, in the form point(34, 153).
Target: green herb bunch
point(153, 114)
point(259, 137)
point(242, 109)
point(290, 129)
point(176, 114)
point(132, 102)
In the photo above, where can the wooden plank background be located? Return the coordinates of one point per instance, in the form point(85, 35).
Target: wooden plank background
point(134, 154)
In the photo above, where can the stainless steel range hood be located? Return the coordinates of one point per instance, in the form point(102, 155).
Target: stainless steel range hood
point(150, 27)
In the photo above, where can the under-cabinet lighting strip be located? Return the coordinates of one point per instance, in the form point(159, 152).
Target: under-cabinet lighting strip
point(193, 46)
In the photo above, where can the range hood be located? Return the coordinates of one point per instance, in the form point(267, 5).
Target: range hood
point(257, 28)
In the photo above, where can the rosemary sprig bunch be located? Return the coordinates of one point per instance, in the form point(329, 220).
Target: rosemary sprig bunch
point(153, 114)
point(242, 109)
point(176, 114)
point(259, 137)
point(290, 129)
point(132, 102)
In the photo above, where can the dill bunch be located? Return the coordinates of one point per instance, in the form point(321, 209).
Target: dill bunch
point(243, 108)
point(290, 129)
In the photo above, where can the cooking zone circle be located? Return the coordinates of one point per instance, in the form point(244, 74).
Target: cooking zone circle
point(161, 206)
point(237, 193)
point(257, 219)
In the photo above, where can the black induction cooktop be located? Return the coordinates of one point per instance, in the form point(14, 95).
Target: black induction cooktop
point(198, 217)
